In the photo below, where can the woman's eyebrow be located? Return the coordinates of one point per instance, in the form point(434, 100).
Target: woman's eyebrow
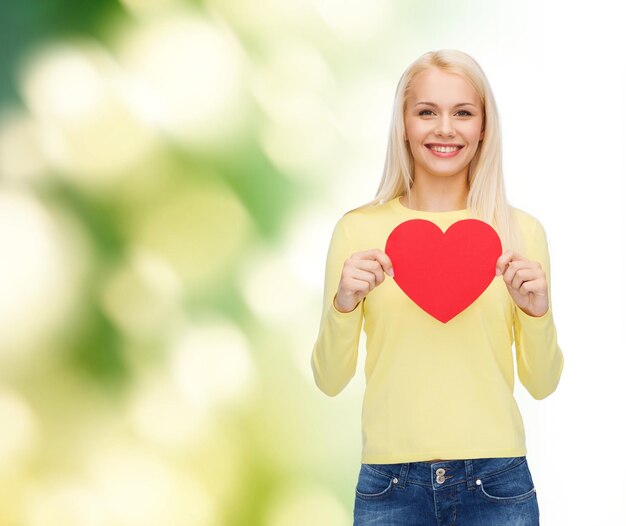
point(455, 106)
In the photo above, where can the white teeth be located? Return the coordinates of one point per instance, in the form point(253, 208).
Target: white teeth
point(444, 149)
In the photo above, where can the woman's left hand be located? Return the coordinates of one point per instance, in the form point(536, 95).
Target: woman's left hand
point(526, 282)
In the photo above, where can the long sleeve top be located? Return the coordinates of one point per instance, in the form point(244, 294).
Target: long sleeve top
point(434, 390)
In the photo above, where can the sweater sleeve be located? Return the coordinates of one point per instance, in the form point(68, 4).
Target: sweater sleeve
point(539, 357)
point(334, 356)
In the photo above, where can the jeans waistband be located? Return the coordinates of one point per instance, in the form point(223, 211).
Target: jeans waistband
point(448, 472)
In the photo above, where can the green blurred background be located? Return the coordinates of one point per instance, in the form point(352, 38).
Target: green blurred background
point(170, 174)
point(162, 166)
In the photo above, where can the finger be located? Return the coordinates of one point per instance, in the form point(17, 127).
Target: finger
point(372, 266)
point(530, 280)
point(503, 261)
point(381, 257)
point(366, 264)
point(510, 275)
point(366, 276)
point(377, 271)
point(523, 275)
point(358, 286)
point(536, 286)
point(506, 258)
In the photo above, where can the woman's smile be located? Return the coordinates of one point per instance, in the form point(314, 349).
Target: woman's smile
point(444, 151)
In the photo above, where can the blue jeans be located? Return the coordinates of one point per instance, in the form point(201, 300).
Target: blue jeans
point(474, 492)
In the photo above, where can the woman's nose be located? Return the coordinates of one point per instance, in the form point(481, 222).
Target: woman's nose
point(445, 127)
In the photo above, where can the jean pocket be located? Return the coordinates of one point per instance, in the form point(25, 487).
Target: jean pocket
point(376, 481)
point(512, 485)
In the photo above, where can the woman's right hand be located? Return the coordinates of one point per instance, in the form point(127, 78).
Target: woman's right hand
point(362, 272)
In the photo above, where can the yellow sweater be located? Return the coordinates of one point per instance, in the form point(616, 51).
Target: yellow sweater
point(434, 390)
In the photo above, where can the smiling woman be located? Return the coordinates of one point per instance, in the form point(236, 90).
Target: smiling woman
point(462, 447)
point(438, 126)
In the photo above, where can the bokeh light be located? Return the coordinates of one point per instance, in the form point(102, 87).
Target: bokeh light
point(192, 71)
point(21, 151)
point(19, 439)
point(211, 364)
point(142, 296)
point(76, 92)
point(40, 260)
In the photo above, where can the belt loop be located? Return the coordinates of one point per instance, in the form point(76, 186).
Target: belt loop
point(469, 474)
point(404, 474)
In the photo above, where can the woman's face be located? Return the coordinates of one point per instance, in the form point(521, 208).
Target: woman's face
point(443, 111)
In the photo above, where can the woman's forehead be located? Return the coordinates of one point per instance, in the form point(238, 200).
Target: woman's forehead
point(440, 87)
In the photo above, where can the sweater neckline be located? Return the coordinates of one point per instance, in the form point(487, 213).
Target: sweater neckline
point(398, 206)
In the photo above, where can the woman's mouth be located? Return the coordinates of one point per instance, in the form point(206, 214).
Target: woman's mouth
point(444, 151)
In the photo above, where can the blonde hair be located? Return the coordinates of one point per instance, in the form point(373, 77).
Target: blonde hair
point(486, 199)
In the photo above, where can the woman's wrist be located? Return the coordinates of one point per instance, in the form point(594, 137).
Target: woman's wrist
point(341, 308)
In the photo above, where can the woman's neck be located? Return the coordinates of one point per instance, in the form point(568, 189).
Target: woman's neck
point(431, 204)
point(436, 193)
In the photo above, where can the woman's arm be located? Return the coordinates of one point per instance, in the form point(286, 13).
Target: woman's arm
point(539, 357)
point(335, 352)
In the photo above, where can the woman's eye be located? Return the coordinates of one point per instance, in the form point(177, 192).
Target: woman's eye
point(464, 113)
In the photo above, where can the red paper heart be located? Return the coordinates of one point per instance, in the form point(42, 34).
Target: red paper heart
point(443, 273)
